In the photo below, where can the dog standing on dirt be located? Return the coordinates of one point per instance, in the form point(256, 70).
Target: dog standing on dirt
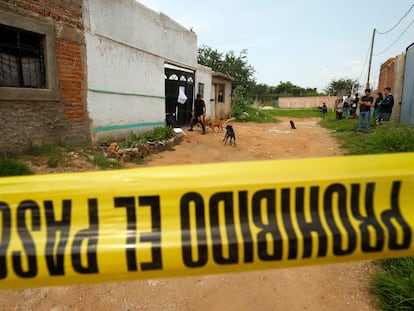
point(292, 125)
point(230, 134)
point(216, 123)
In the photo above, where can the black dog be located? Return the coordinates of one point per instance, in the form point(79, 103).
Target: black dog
point(292, 125)
point(230, 134)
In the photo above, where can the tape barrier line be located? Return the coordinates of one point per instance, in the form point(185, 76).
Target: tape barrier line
point(202, 219)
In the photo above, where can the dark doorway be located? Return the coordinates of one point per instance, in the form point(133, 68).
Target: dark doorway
point(178, 114)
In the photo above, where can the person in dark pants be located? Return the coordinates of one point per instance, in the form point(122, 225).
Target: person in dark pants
point(354, 106)
point(365, 105)
point(386, 105)
point(199, 113)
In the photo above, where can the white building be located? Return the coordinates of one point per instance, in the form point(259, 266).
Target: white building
point(139, 63)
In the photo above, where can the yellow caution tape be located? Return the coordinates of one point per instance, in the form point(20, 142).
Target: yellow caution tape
point(212, 218)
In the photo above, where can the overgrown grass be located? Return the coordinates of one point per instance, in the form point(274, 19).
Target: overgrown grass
point(388, 138)
point(253, 114)
point(157, 134)
point(394, 284)
point(103, 162)
point(12, 167)
point(53, 152)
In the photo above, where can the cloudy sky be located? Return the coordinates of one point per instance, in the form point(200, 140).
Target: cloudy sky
point(307, 42)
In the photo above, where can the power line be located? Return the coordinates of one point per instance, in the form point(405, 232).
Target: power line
point(392, 28)
point(399, 37)
point(365, 63)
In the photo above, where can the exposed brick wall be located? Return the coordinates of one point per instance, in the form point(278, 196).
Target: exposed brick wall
point(386, 77)
point(72, 119)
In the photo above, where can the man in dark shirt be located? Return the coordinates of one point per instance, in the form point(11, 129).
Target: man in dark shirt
point(365, 104)
point(199, 113)
point(386, 105)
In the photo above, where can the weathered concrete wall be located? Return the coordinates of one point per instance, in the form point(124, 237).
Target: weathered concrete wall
point(398, 86)
point(306, 102)
point(222, 109)
point(127, 48)
point(58, 113)
point(407, 102)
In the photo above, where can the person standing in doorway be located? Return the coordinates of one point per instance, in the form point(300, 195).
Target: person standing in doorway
point(199, 113)
point(365, 105)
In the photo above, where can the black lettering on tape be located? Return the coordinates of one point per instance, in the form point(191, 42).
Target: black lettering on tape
point(188, 199)
point(245, 227)
point(153, 237)
point(287, 221)
point(5, 237)
point(90, 237)
point(55, 254)
point(394, 216)
point(269, 228)
point(369, 244)
point(26, 238)
point(227, 199)
point(129, 203)
point(339, 192)
point(314, 225)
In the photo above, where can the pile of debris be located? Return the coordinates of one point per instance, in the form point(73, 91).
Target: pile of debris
point(114, 151)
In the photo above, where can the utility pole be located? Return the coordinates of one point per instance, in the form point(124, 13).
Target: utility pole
point(370, 57)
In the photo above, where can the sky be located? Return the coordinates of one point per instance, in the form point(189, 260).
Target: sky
point(307, 42)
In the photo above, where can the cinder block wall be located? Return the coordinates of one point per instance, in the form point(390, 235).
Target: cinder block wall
point(26, 121)
point(306, 102)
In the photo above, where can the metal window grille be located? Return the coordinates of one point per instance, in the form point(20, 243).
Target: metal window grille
point(22, 61)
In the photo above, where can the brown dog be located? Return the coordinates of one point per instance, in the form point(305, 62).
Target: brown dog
point(216, 123)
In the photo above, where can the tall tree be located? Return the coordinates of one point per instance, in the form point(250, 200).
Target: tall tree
point(341, 87)
point(236, 66)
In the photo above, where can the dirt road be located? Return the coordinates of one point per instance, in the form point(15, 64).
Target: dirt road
point(329, 287)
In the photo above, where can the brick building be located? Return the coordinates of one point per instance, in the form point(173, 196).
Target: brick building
point(386, 76)
point(42, 67)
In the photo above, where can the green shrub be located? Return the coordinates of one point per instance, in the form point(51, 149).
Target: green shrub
point(12, 167)
point(101, 161)
point(44, 150)
point(394, 284)
point(55, 154)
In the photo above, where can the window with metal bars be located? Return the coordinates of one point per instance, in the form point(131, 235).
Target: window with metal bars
point(22, 63)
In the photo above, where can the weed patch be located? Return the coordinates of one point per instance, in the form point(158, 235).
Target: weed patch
point(12, 167)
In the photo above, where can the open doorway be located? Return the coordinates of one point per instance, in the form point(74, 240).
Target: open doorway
point(179, 95)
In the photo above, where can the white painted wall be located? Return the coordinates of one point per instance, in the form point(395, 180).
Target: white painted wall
point(133, 24)
point(127, 46)
point(203, 75)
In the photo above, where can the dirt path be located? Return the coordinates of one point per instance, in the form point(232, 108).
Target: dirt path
point(329, 287)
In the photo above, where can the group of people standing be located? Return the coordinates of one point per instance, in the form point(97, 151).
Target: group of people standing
point(382, 105)
point(348, 105)
point(382, 108)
